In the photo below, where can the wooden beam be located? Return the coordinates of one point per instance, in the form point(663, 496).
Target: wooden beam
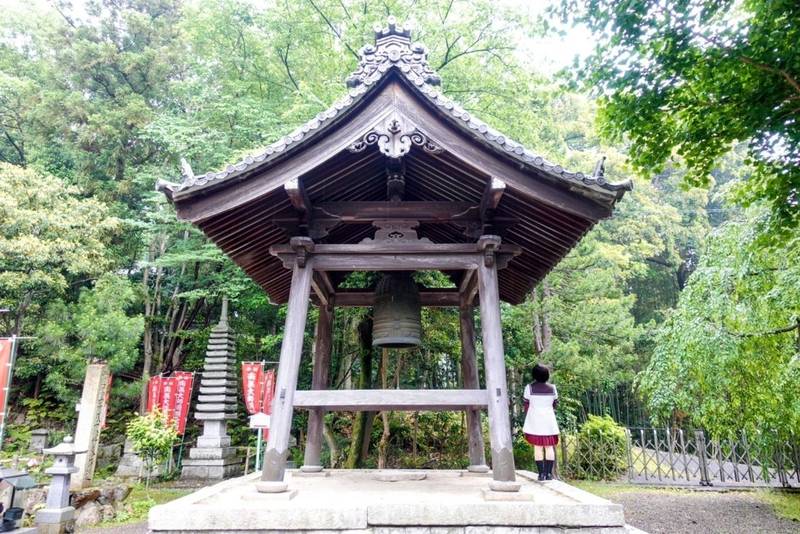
point(428, 297)
point(288, 371)
point(469, 377)
point(392, 399)
point(319, 381)
point(491, 198)
point(422, 211)
point(299, 198)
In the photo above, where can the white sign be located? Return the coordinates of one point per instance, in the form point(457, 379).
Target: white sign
point(259, 420)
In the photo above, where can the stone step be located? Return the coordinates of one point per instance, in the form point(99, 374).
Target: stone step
point(218, 391)
point(219, 360)
point(214, 416)
point(220, 375)
point(228, 399)
point(219, 353)
point(218, 382)
point(216, 407)
point(211, 453)
point(210, 367)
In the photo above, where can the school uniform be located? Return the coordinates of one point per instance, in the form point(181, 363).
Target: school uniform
point(541, 427)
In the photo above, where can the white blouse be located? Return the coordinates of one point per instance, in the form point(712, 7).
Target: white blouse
point(541, 417)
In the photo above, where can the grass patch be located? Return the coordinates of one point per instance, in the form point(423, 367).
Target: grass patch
point(141, 501)
point(784, 503)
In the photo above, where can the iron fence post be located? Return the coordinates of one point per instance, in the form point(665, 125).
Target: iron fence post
point(563, 458)
point(700, 441)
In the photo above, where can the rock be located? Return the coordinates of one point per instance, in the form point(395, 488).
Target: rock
point(88, 515)
point(107, 512)
point(108, 454)
point(121, 492)
point(34, 497)
point(80, 498)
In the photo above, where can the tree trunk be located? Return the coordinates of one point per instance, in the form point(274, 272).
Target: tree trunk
point(361, 420)
point(384, 443)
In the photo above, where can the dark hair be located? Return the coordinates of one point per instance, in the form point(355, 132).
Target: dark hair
point(540, 373)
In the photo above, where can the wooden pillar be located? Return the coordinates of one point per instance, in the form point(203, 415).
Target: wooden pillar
point(469, 375)
point(288, 370)
point(319, 380)
point(494, 361)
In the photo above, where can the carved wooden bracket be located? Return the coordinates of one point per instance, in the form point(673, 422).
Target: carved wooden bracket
point(397, 232)
point(394, 138)
point(303, 246)
point(489, 244)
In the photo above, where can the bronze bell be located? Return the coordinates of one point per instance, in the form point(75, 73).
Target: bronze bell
point(397, 315)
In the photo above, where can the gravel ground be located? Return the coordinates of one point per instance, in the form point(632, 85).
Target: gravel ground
point(659, 512)
point(136, 528)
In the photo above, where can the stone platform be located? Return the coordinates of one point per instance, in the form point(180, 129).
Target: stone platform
point(371, 501)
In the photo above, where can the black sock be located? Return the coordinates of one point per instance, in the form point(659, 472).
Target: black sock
point(548, 468)
point(540, 466)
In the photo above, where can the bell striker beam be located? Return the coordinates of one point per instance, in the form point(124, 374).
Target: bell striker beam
point(469, 375)
point(272, 476)
point(494, 361)
point(319, 380)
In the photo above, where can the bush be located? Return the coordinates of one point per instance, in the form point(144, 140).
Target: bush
point(600, 450)
point(152, 437)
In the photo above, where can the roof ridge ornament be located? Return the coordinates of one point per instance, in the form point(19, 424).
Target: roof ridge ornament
point(393, 48)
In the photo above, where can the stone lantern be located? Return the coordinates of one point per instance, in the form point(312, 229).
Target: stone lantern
point(58, 514)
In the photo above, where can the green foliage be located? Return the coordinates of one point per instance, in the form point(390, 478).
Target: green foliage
point(693, 78)
point(726, 360)
point(600, 450)
point(152, 437)
point(49, 236)
point(97, 327)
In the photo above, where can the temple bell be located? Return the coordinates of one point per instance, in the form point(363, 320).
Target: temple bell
point(397, 315)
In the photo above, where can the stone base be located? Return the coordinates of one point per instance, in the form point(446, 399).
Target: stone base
point(132, 466)
point(211, 463)
point(354, 502)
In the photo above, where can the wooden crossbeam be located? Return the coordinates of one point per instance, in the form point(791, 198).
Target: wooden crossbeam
point(392, 399)
point(422, 211)
point(428, 297)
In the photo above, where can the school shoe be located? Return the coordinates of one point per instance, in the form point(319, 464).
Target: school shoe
point(548, 469)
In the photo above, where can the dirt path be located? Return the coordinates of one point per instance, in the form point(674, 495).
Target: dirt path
point(675, 512)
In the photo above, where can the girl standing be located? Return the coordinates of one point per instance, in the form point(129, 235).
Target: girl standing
point(541, 428)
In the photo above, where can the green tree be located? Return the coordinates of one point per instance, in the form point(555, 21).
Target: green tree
point(689, 79)
point(96, 328)
point(50, 237)
point(727, 358)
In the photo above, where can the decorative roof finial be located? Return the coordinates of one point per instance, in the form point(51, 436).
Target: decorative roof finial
point(392, 29)
point(600, 170)
point(223, 316)
point(393, 49)
point(186, 169)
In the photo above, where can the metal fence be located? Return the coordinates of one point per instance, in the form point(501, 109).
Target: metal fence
point(674, 456)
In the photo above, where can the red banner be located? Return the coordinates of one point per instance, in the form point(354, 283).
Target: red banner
point(252, 382)
point(168, 397)
point(153, 393)
point(269, 392)
point(6, 349)
point(184, 381)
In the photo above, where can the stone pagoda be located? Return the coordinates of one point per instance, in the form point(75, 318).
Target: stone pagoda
point(213, 457)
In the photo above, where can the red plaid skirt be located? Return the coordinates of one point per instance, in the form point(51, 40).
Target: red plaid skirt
point(542, 441)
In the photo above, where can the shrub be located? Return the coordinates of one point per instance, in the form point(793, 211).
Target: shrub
point(600, 450)
point(152, 437)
